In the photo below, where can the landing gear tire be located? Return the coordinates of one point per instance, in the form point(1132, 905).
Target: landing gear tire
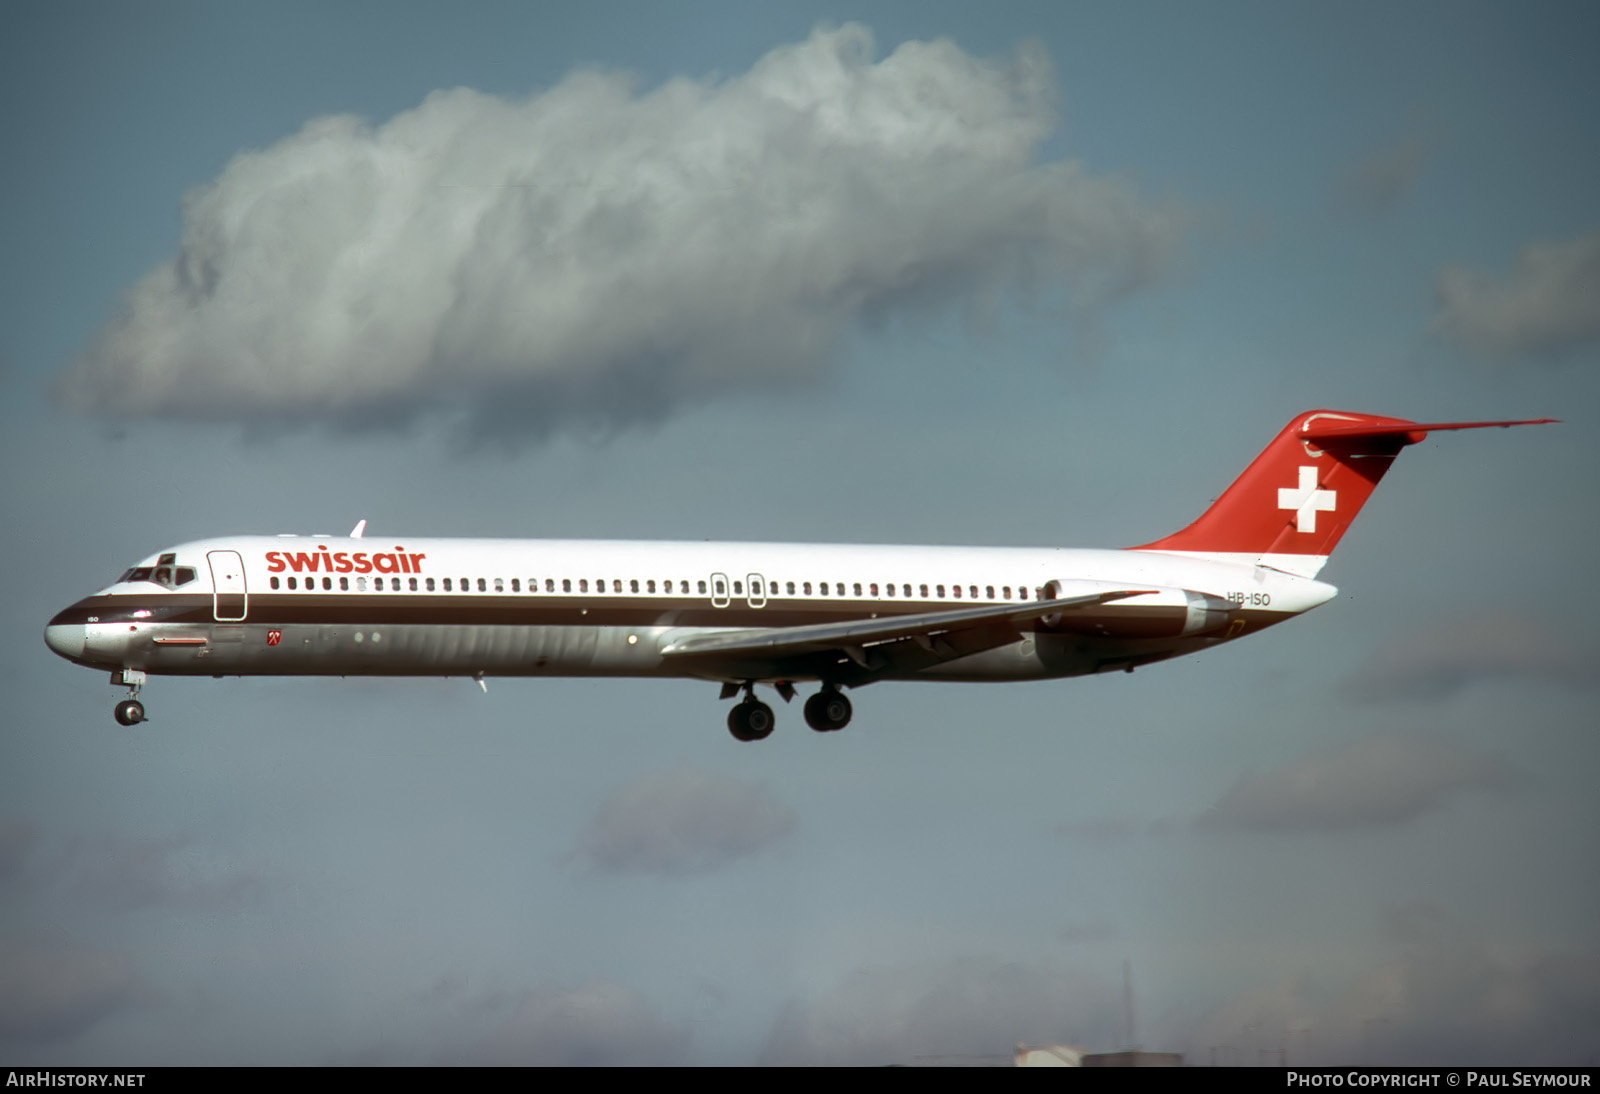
point(751, 720)
point(129, 712)
point(827, 711)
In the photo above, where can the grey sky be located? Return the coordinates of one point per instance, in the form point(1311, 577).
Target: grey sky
point(1139, 239)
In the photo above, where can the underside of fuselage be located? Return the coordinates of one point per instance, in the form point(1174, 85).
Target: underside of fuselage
point(175, 639)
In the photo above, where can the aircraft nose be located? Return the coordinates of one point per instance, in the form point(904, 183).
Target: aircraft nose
point(67, 639)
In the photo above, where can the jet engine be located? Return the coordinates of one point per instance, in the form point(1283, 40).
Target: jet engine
point(1162, 612)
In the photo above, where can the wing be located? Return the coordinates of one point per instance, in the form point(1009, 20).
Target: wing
point(857, 650)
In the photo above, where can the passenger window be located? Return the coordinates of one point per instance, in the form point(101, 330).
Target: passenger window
point(616, 585)
point(447, 584)
point(499, 584)
point(633, 585)
point(293, 584)
point(327, 583)
point(566, 584)
point(923, 589)
point(274, 583)
point(789, 588)
point(650, 585)
point(857, 588)
point(413, 584)
point(989, 591)
point(956, 589)
point(516, 585)
point(907, 589)
point(361, 584)
point(549, 584)
point(583, 584)
point(807, 588)
point(940, 589)
point(344, 584)
point(686, 588)
point(889, 588)
point(874, 588)
point(703, 588)
point(738, 588)
point(483, 586)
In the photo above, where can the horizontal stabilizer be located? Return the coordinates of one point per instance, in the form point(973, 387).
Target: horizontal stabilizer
point(1412, 431)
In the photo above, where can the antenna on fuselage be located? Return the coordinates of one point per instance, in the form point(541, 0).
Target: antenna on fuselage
point(359, 530)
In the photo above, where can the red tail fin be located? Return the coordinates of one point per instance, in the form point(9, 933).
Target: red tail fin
point(1296, 499)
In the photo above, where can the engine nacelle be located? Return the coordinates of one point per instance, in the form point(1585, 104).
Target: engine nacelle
point(1163, 612)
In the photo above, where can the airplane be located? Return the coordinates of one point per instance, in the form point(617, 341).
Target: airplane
point(742, 614)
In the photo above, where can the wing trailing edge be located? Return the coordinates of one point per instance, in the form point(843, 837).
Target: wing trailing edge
point(852, 637)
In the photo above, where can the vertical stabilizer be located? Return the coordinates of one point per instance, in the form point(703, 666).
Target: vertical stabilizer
point(1294, 502)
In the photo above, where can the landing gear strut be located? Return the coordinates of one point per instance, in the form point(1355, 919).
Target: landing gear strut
point(827, 710)
point(129, 712)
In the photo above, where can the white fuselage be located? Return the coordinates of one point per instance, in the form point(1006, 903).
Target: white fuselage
point(324, 605)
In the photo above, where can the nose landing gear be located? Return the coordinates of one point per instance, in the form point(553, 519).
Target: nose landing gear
point(129, 712)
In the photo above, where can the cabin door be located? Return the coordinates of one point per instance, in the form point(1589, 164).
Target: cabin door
point(229, 599)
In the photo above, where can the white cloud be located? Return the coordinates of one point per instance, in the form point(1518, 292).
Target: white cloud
point(17, 840)
point(970, 1010)
point(1381, 780)
point(596, 1023)
point(1547, 306)
point(1441, 997)
point(682, 822)
point(597, 253)
point(49, 990)
point(124, 874)
point(1380, 183)
point(1438, 663)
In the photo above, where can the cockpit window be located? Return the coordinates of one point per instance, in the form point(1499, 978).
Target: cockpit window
point(164, 573)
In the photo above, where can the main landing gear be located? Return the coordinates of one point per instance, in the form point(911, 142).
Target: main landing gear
point(752, 720)
point(827, 710)
point(129, 712)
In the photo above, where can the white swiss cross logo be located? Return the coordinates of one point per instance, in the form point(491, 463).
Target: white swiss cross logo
point(1306, 500)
